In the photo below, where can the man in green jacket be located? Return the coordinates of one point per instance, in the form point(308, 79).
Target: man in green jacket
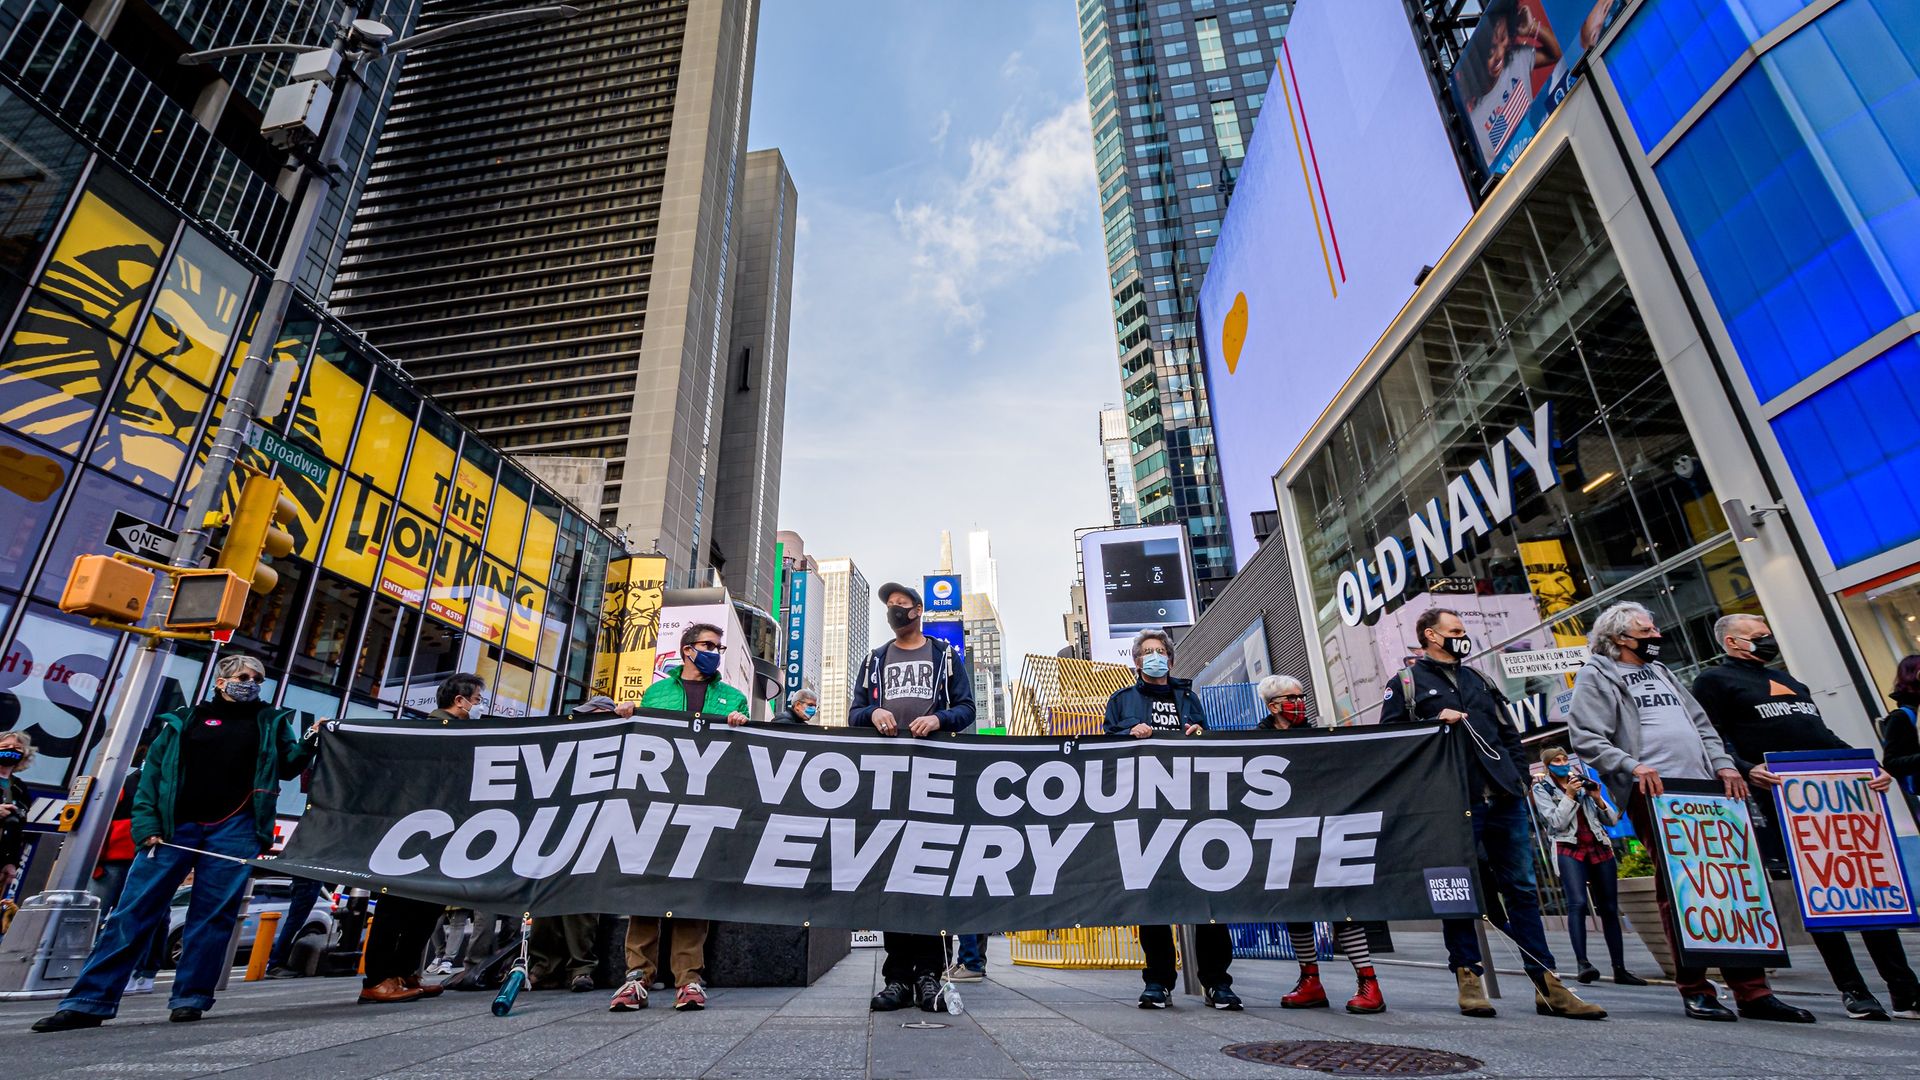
point(206, 800)
point(693, 687)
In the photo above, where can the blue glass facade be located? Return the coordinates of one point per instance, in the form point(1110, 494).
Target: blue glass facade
point(1797, 191)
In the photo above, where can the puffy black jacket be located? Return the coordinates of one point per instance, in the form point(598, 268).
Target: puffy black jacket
point(1438, 686)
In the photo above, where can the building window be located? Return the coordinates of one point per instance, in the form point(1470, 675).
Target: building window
point(1212, 56)
point(1226, 130)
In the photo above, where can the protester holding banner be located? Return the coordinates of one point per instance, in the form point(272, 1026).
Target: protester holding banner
point(1568, 802)
point(802, 706)
point(205, 804)
point(1157, 703)
point(1759, 710)
point(693, 687)
point(1638, 727)
point(1285, 701)
point(921, 685)
point(1439, 686)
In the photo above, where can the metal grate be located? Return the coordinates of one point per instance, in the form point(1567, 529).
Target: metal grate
point(1354, 1058)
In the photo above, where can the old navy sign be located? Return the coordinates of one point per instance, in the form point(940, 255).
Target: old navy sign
point(1478, 501)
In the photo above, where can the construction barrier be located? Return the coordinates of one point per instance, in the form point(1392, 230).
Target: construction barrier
point(262, 948)
point(1111, 947)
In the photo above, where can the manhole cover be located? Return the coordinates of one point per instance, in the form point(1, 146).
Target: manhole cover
point(923, 1025)
point(1354, 1058)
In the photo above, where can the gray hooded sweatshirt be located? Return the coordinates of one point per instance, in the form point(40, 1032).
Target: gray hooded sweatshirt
point(1605, 723)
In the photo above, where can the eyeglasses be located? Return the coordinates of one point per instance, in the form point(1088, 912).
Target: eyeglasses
point(249, 677)
point(709, 646)
point(1293, 697)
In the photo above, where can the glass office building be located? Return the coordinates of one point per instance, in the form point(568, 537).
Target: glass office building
point(1542, 324)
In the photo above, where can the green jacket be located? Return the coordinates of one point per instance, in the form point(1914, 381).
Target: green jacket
point(670, 694)
point(283, 754)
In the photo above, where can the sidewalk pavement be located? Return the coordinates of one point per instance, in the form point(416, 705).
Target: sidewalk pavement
point(1023, 1023)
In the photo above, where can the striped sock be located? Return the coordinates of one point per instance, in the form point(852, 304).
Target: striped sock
point(1353, 941)
point(1301, 936)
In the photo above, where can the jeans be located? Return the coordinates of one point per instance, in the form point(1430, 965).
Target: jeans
point(143, 910)
point(1888, 957)
point(973, 952)
point(1212, 943)
point(300, 900)
point(112, 879)
point(1603, 882)
point(1505, 837)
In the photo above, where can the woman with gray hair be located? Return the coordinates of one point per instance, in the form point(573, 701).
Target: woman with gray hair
point(1285, 701)
point(204, 805)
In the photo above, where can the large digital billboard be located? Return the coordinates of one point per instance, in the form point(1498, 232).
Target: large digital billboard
point(1349, 189)
point(1519, 65)
point(1137, 577)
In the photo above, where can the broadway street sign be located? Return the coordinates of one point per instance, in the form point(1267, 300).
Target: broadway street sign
point(662, 813)
point(288, 455)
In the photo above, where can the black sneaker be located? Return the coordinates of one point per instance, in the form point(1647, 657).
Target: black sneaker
point(1623, 977)
point(285, 973)
point(1153, 997)
point(185, 1014)
point(1588, 973)
point(1861, 1005)
point(893, 996)
point(68, 1020)
point(926, 993)
point(1223, 997)
point(1772, 1008)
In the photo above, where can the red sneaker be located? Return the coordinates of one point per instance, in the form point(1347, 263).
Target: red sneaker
point(1368, 999)
point(1307, 993)
point(690, 998)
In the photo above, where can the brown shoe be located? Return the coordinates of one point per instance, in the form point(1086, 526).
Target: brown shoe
point(389, 991)
point(427, 990)
point(1557, 1000)
point(1473, 994)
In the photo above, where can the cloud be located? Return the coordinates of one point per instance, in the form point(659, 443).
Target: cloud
point(1013, 67)
point(1025, 191)
point(941, 126)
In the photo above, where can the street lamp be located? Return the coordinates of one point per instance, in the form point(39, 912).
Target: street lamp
point(53, 931)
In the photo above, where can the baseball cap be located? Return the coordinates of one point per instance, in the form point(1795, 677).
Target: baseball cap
point(892, 587)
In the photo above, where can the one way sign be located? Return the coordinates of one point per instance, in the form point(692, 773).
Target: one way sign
point(137, 537)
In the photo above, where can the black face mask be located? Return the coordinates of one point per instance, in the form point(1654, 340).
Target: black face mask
point(1764, 648)
point(1458, 646)
point(1648, 648)
point(899, 617)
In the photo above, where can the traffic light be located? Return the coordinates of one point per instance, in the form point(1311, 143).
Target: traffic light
point(103, 587)
point(207, 600)
point(254, 534)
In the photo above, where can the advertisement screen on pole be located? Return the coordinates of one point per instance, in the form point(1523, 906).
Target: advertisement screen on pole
point(1137, 578)
point(942, 592)
point(1349, 189)
point(1518, 66)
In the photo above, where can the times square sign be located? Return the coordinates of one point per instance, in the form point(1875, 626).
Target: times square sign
point(1477, 501)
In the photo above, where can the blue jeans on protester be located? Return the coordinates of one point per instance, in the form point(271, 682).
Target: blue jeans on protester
point(143, 908)
point(301, 897)
point(973, 952)
point(1603, 879)
point(1505, 837)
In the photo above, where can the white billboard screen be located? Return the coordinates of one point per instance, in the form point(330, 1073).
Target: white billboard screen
point(1136, 578)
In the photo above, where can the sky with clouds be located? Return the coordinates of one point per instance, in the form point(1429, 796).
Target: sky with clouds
point(950, 346)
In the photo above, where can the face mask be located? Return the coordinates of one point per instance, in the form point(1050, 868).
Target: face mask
point(11, 757)
point(1293, 712)
point(1764, 648)
point(242, 691)
point(1648, 648)
point(706, 663)
point(1560, 770)
point(1458, 646)
point(1155, 665)
point(899, 617)
point(810, 712)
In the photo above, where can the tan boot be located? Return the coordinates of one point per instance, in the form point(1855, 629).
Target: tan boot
point(1560, 1001)
point(1473, 996)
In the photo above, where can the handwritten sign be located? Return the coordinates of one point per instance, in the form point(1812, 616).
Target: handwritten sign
point(1711, 867)
point(1847, 870)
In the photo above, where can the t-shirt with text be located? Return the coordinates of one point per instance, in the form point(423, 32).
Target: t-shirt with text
point(906, 682)
point(1163, 709)
point(1669, 743)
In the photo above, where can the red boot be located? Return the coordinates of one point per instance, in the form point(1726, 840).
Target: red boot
point(1368, 999)
point(1307, 993)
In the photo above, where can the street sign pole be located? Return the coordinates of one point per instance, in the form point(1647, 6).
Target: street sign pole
point(37, 955)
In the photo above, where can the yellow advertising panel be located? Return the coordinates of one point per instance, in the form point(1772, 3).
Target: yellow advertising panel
point(523, 624)
point(383, 443)
point(1551, 580)
point(629, 626)
point(459, 564)
point(536, 559)
point(506, 521)
point(323, 419)
point(194, 317)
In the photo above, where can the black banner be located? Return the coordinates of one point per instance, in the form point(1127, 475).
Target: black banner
point(773, 824)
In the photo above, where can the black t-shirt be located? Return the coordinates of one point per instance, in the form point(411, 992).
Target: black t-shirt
point(219, 753)
point(696, 694)
point(1163, 707)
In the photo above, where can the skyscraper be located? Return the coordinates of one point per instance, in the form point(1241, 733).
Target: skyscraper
point(1174, 89)
point(749, 490)
point(845, 609)
point(983, 570)
point(1123, 506)
point(986, 657)
point(550, 241)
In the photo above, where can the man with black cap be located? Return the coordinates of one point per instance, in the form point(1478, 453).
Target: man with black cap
point(919, 685)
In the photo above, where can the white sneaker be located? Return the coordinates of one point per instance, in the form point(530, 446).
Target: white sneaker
point(138, 985)
point(442, 966)
point(963, 973)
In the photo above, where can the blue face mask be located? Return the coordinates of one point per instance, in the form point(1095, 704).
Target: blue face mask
point(1560, 770)
point(706, 663)
point(241, 691)
point(1155, 665)
point(810, 712)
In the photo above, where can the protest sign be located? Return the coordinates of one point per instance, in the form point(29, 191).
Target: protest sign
point(1710, 866)
point(1847, 870)
point(774, 824)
